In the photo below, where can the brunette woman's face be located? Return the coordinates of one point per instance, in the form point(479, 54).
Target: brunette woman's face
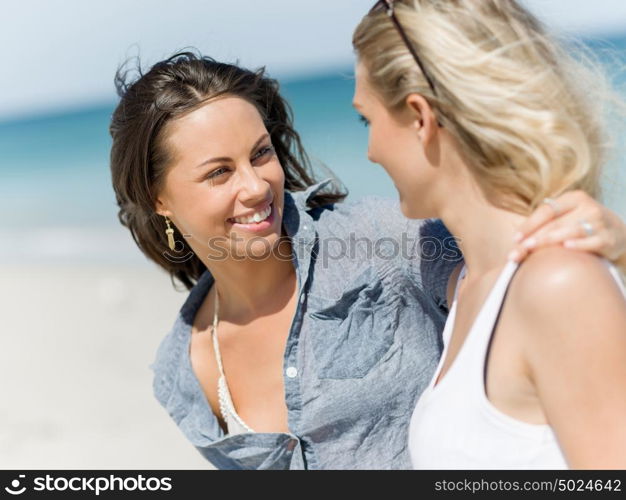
point(224, 189)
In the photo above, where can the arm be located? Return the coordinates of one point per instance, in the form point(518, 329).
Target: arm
point(573, 318)
point(545, 227)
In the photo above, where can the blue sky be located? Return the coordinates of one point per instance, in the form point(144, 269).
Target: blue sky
point(62, 53)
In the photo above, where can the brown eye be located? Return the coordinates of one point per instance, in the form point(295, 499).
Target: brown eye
point(264, 152)
point(217, 173)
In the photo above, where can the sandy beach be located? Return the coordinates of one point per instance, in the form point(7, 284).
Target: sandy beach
point(76, 343)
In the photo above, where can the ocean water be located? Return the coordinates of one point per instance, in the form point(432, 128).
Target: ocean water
point(56, 200)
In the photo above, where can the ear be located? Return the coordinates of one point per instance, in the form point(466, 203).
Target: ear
point(422, 117)
point(161, 207)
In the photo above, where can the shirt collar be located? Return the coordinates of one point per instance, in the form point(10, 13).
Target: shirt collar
point(301, 228)
point(302, 198)
point(296, 220)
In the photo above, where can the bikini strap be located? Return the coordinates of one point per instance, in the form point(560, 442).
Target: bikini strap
point(216, 346)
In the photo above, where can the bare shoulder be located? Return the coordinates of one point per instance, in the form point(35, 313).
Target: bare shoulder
point(555, 281)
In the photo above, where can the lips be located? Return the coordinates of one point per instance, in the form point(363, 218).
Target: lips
point(259, 215)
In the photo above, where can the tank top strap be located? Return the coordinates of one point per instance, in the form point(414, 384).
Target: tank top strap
point(490, 311)
point(447, 331)
point(481, 331)
point(486, 322)
point(616, 275)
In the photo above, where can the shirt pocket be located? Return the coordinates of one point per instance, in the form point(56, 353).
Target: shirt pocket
point(355, 331)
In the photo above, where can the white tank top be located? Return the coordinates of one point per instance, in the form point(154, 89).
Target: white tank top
point(455, 426)
point(234, 423)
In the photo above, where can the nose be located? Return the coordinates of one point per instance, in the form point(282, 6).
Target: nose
point(253, 188)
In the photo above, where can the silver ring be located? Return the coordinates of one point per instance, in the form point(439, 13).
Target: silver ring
point(553, 204)
point(587, 227)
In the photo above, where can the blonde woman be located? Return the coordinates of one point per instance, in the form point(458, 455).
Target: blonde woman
point(480, 118)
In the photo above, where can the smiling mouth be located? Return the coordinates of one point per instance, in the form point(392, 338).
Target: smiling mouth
point(255, 218)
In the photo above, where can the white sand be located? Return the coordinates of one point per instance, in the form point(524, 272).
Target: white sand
point(75, 346)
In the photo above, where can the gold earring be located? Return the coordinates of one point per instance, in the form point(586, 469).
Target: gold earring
point(170, 234)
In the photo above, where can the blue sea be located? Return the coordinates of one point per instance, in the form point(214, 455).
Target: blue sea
point(56, 201)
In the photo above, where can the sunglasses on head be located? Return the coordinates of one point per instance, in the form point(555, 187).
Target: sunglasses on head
point(387, 6)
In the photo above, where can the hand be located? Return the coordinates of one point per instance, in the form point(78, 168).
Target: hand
point(562, 222)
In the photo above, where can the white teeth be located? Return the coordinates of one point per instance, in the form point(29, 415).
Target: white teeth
point(257, 217)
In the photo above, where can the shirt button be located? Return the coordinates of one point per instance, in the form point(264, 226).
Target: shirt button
point(292, 372)
point(302, 297)
point(305, 227)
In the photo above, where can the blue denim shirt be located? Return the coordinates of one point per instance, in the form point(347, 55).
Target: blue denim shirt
point(365, 341)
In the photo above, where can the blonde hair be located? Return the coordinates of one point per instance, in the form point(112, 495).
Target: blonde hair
point(527, 116)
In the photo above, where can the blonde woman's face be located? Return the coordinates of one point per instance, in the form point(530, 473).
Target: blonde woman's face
point(394, 144)
point(224, 170)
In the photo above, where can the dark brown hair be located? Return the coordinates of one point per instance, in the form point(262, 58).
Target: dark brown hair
point(139, 160)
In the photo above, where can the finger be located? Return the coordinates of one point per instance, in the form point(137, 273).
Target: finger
point(594, 244)
point(542, 215)
point(553, 233)
point(518, 254)
point(579, 206)
point(521, 251)
point(603, 243)
point(575, 199)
